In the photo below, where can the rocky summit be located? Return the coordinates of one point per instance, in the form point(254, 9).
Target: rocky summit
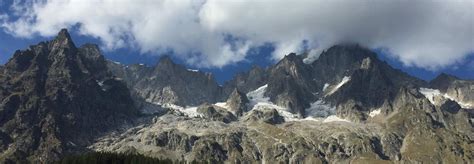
point(346, 106)
point(56, 98)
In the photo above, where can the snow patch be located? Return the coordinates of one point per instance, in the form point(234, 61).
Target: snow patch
point(374, 113)
point(334, 118)
point(325, 87)
point(116, 62)
point(258, 95)
point(462, 104)
point(343, 81)
point(72, 143)
point(320, 109)
point(101, 84)
point(431, 93)
point(193, 70)
point(222, 105)
point(316, 112)
point(188, 111)
point(258, 101)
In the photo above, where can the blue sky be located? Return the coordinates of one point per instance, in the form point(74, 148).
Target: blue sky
point(226, 37)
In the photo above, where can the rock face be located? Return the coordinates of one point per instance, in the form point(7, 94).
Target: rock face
point(247, 81)
point(171, 83)
point(344, 75)
point(454, 88)
point(366, 81)
point(215, 113)
point(270, 116)
point(388, 114)
point(55, 98)
point(345, 107)
point(349, 76)
point(291, 84)
point(238, 102)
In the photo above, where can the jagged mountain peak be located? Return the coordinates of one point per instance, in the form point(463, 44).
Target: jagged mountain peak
point(62, 40)
point(237, 102)
point(445, 77)
point(165, 59)
point(291, 58)
point(238, 94)
point(63, 33)
point(169, 82)
point(347, 53)
point(460, 90)
point(165, 63)
point(69, 94)
point(443, 81)
point(343, 60)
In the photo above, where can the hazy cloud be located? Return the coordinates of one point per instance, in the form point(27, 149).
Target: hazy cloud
point(424, 33)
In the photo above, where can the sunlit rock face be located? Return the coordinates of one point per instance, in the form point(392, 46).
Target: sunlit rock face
point(461, 91)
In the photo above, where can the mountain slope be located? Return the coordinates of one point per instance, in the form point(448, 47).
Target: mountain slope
point(346, 106)
point(461, 91)
point(341, 76)
point(55, 98)
point(400, 136)
point(170, 83)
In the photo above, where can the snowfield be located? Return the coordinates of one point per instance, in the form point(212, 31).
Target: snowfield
point(193, 70)
point(258, 95)
point(344, 80)
point(316, 112)
point(334, 118)
point(374, 113)
point(430, 94)
point(325, 87)
point(258, 101)
point(188, 111)
point(320, 109)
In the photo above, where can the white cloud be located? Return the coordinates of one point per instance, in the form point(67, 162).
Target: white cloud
point(423, 33)
point(151, 26)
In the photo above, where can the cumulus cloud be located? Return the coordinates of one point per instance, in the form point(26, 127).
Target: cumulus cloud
point(151, 26)
point(423, 33)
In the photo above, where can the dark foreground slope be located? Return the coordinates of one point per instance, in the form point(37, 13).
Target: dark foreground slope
point(55, 98)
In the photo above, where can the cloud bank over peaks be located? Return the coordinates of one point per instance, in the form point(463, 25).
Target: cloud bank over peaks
point(422, 33)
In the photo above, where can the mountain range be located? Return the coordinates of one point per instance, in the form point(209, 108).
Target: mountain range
point(347, 106)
